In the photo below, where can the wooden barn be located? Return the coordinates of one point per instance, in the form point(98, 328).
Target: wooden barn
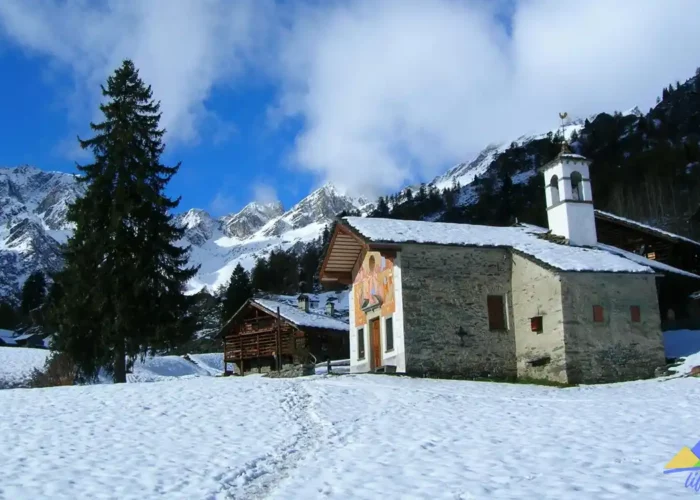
point(651, 242)
point(266, 334)
point(674, 288)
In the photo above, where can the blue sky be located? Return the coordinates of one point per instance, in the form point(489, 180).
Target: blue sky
point(219, 174)
point(268, 99)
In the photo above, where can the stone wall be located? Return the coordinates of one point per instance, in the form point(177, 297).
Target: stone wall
point(537, 292)
point(616, 349)
point(445, 289)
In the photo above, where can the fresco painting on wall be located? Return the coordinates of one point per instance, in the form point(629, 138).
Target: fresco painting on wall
point(374, 284)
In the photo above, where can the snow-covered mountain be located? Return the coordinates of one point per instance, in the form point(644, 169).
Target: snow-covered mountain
point(33, 206)
point(249, 220)
point(465, 173)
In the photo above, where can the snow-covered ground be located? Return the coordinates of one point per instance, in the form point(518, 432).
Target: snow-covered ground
point(18, 363)
point(353, 436)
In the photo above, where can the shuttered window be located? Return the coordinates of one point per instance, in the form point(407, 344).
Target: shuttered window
point(360, 343)
point(636, 314)
point(497, 312)
point(536, 324)
point(598, 314)
point(389, 332)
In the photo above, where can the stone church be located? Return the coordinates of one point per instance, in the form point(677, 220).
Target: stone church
point(459, 300)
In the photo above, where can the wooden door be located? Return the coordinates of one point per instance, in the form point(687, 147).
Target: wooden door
point(376, 343)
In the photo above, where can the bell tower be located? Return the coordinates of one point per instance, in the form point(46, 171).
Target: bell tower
point(569, 197)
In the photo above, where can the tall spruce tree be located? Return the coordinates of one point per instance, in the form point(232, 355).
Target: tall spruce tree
point(239, 290)
point(123, 282)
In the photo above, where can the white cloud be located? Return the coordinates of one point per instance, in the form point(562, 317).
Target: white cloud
point(387, 92)
point(394, 90)
point(221, 204)
point(70, 149)
point(264, 193)
point(183, 48)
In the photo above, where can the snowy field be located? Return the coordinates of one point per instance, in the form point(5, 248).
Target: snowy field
point(18, 363)
point(346, 437)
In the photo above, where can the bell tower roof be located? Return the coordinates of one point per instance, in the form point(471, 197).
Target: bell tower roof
point(564, 154)
point(569, 198)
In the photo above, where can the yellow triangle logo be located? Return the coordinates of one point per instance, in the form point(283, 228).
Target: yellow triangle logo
point(685, 459)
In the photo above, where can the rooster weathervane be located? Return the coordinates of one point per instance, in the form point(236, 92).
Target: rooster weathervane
point(564, 145)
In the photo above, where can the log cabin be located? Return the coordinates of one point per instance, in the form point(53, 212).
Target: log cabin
point(651, 242)
point(266, 334)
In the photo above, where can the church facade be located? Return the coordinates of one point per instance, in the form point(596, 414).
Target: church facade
point(459, 300)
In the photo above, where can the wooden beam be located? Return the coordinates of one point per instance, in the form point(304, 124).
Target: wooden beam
point(344, 278)
point(385, 248)
point(279, 341)
point(343, 233)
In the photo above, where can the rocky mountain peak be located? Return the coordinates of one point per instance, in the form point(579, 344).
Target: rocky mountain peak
point(250, 219)
point(198, 224)
point(321, 207)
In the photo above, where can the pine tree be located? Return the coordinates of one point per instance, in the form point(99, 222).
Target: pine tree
point(309, 264)
point(123, 281)
point(33, 292)
point(8, 316)
point(382, 209)
point(238, 291)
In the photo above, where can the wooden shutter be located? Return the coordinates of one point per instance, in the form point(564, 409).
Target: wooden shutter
point(636, 314)
point(598, 314)
point(360, 343)
point(496, 309)
point(536, 324)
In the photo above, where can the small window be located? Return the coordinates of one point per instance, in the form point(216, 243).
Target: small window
point(536, 324)
point(576, 186)
point(360, 343)
point(497, 312)
point(598, 314)
point(389, 332)
point(651, 255)
point(636, 314)
point(554, 185)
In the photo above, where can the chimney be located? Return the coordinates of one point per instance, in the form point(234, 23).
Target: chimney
point(303, 302)
point(330, 308)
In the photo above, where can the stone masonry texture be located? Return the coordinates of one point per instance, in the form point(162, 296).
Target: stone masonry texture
point(447, 332)
point(616, 349)
point(537, 293)
point(444, 292)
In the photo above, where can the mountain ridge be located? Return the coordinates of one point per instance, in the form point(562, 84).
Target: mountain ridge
point(483, 190)
point(34, 203)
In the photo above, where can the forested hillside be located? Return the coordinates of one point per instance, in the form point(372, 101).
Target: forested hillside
point(645, 167)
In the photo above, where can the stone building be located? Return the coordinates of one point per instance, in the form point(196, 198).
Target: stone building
point(442, 299)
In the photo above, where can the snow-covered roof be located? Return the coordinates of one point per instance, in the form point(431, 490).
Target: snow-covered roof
point(8, 337)
point(522, 239)
point(640, 259)
point(301, 318)
point(572, 156)
point(645, 227)
point(25, 336)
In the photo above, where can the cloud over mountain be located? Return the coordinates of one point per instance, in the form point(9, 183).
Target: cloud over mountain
point(385, 92)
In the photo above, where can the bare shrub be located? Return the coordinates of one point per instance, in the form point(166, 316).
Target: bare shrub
point(59, 369)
